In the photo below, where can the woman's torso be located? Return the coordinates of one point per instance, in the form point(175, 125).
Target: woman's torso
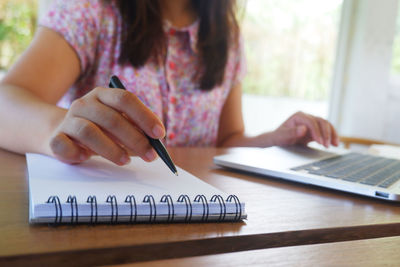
point(190, 115)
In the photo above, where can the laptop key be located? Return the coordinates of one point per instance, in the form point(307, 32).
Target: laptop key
point(354, 167)
point(365, 172)
point(387, 183)
point(326, 162)
point(341, 163)
point(358, 168)
point(382, 174)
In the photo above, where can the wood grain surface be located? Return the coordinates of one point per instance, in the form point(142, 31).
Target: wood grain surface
point(370, 252)
point(279, 214)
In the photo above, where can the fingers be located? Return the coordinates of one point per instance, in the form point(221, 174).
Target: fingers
point(330, 136)
point(335, 136)
point(109, 123)
point(116, 125)
point(66, 150)
point(326, 132)
point(136, 111)
point(91, 136)
point(312, 125)
point(319, 129)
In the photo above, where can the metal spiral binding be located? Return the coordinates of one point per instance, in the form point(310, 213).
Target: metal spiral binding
point(72, 200)
point(93, 201)
point(114, 208)
point(132, 201)
point(188, 204)
point(222, 206)
point(206, 211)
point(238, 206)
point(57, 204)
point(150, 199)
point(74, 205)
point(171, 212)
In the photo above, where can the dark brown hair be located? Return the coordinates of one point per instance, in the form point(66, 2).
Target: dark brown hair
point(143, 35)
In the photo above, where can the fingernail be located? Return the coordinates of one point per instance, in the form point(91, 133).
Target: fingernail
point(158, 131)
point(151, 155)
point(125, 159)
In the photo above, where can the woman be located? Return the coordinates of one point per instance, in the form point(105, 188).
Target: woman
point(181, 62)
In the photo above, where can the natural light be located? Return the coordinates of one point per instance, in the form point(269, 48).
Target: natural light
point(290, 50)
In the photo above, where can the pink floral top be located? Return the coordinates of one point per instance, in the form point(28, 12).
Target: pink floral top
point(191, 116)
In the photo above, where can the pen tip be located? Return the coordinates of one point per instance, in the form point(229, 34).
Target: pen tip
point(176, 173)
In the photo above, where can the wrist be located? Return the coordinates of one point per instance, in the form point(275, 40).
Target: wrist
point(50, 129)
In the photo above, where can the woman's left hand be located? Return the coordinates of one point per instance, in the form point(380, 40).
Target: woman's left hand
point(302, 128)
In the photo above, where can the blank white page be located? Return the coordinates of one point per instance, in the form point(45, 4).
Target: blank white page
point(101, 178)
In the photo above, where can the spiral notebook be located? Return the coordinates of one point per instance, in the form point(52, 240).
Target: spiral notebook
point(98, 191)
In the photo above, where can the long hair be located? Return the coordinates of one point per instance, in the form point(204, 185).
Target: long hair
point(143, 35)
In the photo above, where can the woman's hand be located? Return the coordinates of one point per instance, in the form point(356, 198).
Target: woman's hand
point(302, 128)
point(107, 122)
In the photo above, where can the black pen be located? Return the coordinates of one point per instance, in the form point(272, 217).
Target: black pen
point(155, 143)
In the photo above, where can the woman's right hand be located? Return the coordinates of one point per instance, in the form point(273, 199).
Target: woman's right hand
point(107, 122)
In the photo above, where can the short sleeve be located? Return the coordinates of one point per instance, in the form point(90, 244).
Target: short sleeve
point(240, 68)
point(77, 22)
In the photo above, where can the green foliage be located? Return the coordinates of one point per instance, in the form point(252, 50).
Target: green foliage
point(289, 44)
point(17, 26)
point(290, 47)
point(4, 30)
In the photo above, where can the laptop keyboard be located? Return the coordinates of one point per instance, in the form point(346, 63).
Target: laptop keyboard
point(358, 168)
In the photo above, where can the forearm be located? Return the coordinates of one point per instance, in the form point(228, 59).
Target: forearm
point(27, 121)
point(241, 140)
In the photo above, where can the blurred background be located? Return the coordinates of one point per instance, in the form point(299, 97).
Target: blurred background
point(290, 50)
point(338, 59)
point(17, 25)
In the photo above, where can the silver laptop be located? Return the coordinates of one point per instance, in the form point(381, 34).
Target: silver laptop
point(363, 174)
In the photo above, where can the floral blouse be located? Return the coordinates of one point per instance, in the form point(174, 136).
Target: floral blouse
point(191, 116)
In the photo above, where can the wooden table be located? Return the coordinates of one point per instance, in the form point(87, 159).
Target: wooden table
point(279, 214)
point(367, 252)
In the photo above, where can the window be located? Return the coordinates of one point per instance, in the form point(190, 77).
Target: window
point(290, 49)
point(395, 66)
point(289, 44)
